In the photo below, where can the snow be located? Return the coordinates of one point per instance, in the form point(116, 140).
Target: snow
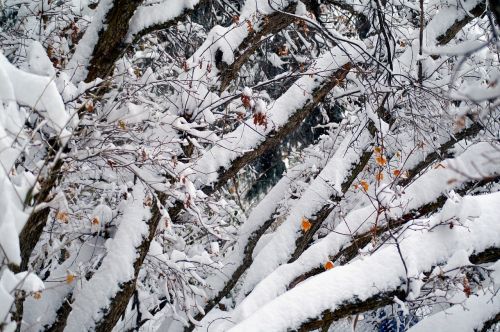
point(445, 17)
point(260, 214)
point(429, 186)
point(38, 61)
point(131, 113)
point(275, 60)
point(477, 93)
point(248, 135)
point(9, 282)
point(157, 14)
point(37, 92)
point(77, 66)
point(384, 269)
point(227, 39)
point(17, 86)
point(117, 267)
point(468, 315)
point(458, 49)
point(42, 312)
point(138, 128)
point(327, 184)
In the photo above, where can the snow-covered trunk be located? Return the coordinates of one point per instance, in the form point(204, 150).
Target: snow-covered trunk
point(103, 42)
point(103, 299)
point(32, 230)
point(110, 45)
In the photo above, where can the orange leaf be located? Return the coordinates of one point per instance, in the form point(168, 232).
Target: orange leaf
point(89, 107)
point(328, 265)
point(37, 295)
point(249, 26)
point(467, 288)
point(70, 278)
point(62, 216)
point(377, 149)
point(364, 184)
point(95, 221)
point(283, 51)
point(305, 225)
point(396, 172)
point(379, 176)
point(381, 161)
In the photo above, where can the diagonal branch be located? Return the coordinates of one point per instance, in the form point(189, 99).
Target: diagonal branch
point(356, 306)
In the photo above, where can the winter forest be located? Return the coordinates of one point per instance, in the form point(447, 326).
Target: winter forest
point(249, 165)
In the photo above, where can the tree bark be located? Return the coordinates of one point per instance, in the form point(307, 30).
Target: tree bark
point(459, 24)
point(272, 24)
point(111, 45)
point(494, 6)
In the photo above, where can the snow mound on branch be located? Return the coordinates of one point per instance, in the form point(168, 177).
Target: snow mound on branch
point(330, 289)
point(37, 92)
point(77, 66)
point(117, 267)
point(466, 316)
point(16, 86)
point(148, 16)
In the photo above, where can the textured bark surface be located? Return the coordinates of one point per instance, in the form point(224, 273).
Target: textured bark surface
point(272, 24)
point(459, 24)
point(352, 308)
point(165, 25)
point(303, 241)
point(32, 230)
point(242, 161)
point(494, 6)
point(441, 153)
point(111, 45)
point(61, 316)
point(490, 322)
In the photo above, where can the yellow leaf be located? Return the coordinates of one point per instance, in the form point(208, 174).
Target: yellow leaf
point(377, 149)
point(328, 265)
point(305, 225)
point(70, 278)
point(122, 124)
